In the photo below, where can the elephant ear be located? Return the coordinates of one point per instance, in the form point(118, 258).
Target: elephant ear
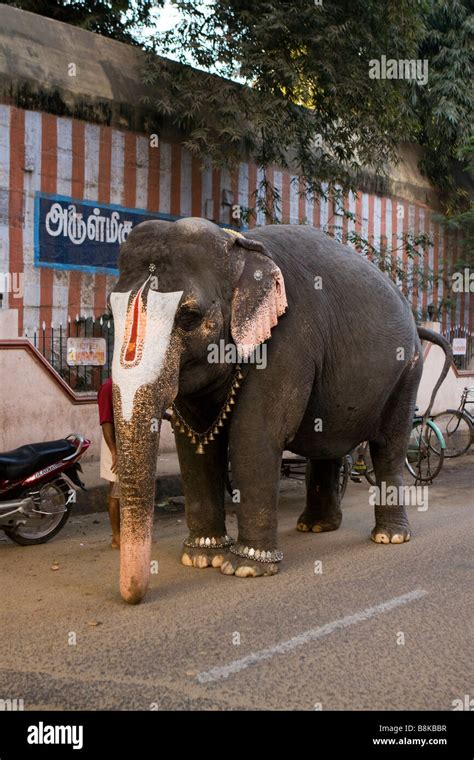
point(259, 298)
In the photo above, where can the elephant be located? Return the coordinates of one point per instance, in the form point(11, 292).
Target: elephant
point(343, 364)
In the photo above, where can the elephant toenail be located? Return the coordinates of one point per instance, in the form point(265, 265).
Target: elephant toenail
point(246, 572)
point(397, 539)
point(227, 568)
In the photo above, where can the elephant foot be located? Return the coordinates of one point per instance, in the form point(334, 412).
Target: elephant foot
point(382, 534)
point(202, 557)
point(204, 551)
point(391, 526)
point(308, 523)
point(244, 567)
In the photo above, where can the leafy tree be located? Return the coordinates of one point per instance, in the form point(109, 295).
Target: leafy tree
point(305, 100)
point(118, 19)
point(287, 81)
point(463, 220)
point(445, 107)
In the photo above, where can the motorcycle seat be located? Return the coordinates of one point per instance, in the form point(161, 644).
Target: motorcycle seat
point(26, 460)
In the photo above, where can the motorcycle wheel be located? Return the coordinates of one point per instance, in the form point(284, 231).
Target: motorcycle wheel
point(41, 528)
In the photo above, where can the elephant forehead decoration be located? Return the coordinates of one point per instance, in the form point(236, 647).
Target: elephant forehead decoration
point(143, 324)
point(135, 330)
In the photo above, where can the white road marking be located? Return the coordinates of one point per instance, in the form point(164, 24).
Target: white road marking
point(236, 666)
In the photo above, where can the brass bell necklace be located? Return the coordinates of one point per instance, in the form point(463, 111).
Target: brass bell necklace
point(202, 439)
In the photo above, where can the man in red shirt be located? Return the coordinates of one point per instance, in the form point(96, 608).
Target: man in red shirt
point(108, 458)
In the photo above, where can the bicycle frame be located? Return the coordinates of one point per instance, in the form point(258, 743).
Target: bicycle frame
point(465, 400)
point(430, 423)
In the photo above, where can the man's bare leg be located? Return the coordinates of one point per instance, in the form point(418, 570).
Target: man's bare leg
point(114, 516)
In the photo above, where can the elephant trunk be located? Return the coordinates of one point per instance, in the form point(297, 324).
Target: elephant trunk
point(145, 375)
point(137, 444)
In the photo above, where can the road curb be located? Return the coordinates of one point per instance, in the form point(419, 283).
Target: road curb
point(95, 499)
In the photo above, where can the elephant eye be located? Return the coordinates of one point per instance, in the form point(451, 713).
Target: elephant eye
point(189, 318)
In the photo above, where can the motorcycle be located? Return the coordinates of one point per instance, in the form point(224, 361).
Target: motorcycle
point(38, 485)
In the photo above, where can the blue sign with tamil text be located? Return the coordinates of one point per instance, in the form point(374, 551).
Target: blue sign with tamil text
point(80, 234)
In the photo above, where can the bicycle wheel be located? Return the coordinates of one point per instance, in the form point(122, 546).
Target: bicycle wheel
point(457, 431)
point(421, 461)
point(344, 475)
point(370, 472)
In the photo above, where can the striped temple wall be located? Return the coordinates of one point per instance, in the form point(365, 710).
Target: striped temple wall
point(65, 156)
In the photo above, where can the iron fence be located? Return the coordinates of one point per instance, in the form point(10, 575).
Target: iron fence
point(52, 343)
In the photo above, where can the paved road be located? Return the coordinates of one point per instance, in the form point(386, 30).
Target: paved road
point(180, 649)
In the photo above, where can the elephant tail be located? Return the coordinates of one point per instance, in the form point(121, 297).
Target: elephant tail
point(438, 340)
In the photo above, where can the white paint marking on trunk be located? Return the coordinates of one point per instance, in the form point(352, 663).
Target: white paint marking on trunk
point(160, 312)
point(215, 674)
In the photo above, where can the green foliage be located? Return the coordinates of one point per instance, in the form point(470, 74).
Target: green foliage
point(463, 221)
point(445, 107)
point(305, 101)
point(111, 18)
point(287, 82)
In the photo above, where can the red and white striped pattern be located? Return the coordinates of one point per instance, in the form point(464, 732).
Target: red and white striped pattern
point(40, 151)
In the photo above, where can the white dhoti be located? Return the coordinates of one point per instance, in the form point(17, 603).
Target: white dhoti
point(106, 468)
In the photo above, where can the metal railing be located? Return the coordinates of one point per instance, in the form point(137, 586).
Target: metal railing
point(52, 342)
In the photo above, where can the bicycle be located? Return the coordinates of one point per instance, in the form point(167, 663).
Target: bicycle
point(418, 460)
point(457, 426)
point(425, 439)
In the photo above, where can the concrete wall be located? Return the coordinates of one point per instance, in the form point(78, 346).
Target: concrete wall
point(8, 324)
point(34, 408)
point(449, 395)
point(60, 68)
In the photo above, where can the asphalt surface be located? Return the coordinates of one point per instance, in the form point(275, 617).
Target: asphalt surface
point(202, 640)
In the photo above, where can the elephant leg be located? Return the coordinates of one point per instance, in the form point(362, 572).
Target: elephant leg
point(388, 454)
point(391, 521)
point(323, 503)
point(203, 482)
point(255, 476)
